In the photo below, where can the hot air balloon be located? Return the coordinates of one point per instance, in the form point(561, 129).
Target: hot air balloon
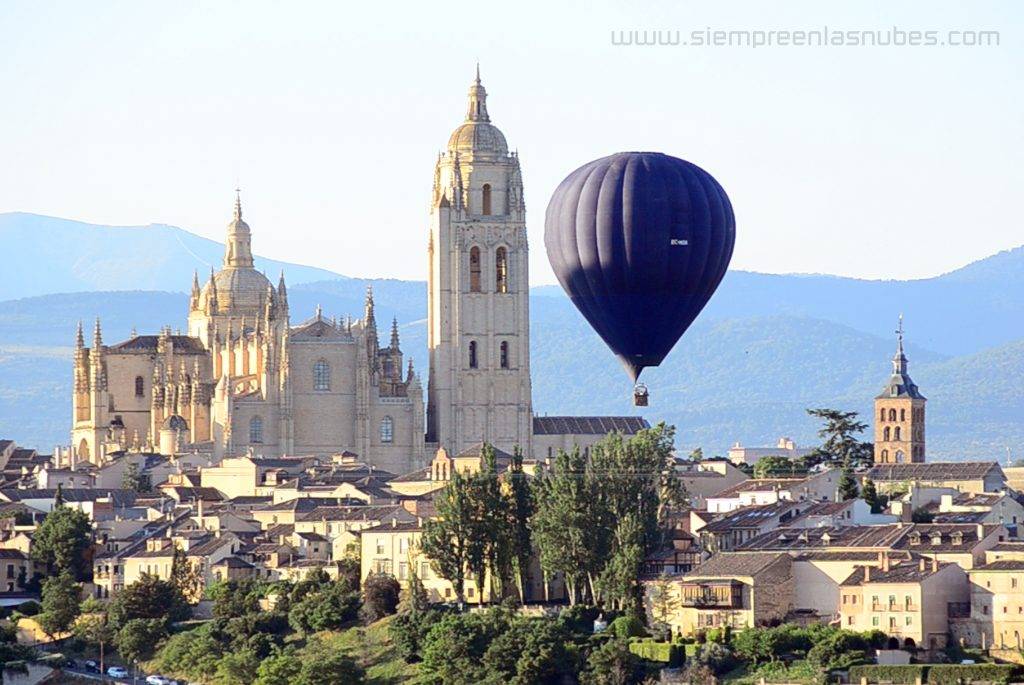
point(639, 241)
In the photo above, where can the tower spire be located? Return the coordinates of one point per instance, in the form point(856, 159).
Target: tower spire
point(97, 337)
point(394, 333)
point(477, 110)
point(238, 246)
point(899, 360)
point(238, 204)
point(368, 314)
point(79, 337)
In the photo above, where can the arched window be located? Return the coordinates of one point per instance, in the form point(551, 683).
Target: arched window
point(387, 429)
point(899, 457)
point(256, 430)
point(892, 414)
point(885, 455)
point(321, 375)
point(501, 270)
point(140, 386)
point(486, 193)
point(896, 433)
point(474, 269)
point(885, 434)
point(504, 354)
point(472, 354)
point(881, 415)
point(903, 414)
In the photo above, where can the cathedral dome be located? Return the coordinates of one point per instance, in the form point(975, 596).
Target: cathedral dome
point(477, 135)
point(240, 291)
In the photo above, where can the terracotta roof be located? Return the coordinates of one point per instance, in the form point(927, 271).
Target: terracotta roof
point(732, 564)
point(754, 517)
point(588, 425)
point(906, 572)
point(1001, 565)
point(757, 485)
point(936, 470)
point(414, 476)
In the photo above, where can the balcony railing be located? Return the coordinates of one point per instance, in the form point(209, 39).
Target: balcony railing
point(894, 606)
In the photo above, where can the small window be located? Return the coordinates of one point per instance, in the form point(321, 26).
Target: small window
point(256, 430)
point(881, 415)
point(903, 414)
point(504, 354)
point(140, 386)
point(885, 434)
point(387, 429)
point(486, 193)
point(892, 414)
point(474, 270)
point(896, 433)
point(472, 354)
point(321, 375)
point(501, 270)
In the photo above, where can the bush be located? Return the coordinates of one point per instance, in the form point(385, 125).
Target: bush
point(950, 674)
point(409, 630)
point(380, 596)
point(626, 627)
point(29, 608)
point(908, 673)
point(579, 618)
point(662, 652)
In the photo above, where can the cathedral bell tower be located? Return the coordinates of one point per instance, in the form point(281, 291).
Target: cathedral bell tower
point(899, 414)
point(478, 291)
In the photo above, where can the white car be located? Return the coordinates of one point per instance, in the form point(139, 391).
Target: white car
point(117, 672)
point(158, 680)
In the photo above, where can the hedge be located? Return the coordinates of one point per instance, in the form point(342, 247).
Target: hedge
point(663, 652)
point(954, 673)
point(908, 673)
point(938, 674)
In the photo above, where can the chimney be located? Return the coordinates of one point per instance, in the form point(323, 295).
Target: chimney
point(981, 532)
point(935, 564)
point(921, 564)
point(867, 573)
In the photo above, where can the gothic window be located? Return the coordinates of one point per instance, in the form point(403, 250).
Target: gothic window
point(892, 414)
point(504, 355)
point(896, 433)
point(885, 434)
point(321, 375)
point(474, 270)
point(387, 429)
point(472, 354)
point(501, 270)
point(486, 192)
point(256, 430)
point(140, 386)
point(903, 414)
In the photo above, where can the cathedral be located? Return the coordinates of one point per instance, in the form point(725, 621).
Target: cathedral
point(245, 380)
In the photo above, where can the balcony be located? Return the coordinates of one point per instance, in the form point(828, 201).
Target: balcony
point(718, 596)
point(894, 606)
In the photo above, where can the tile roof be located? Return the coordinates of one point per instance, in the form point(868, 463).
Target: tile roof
point(414, 476)
point(732, 564)
point(359, 513)
point(753, 517)
point(936, 470)
point(588, 425)
point(906, 572)
point(1001, 565)
point(148, 343)
point(757, 485)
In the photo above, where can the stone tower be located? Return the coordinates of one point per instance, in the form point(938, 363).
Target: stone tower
point(899, 414)
point(478, 291)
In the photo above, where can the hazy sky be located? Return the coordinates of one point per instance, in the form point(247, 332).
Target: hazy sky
point(884, 162)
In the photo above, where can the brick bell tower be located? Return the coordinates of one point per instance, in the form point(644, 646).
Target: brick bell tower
point(899, 414)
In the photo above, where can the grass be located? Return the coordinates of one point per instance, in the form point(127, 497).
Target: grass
point(774, 672)
point(372, 648)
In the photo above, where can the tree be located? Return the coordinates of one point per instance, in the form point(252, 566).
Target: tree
point(380, 596)
point(847, 485)
point(450, 539)
point(138, 638)
point(839, 437)
point(148, 598)
point(612, 664)
point(331, 669)
point(278, 669)
point(61, 597)
point(870, 495)
point(773, 466)
point(233, 598)
point(697, 454)
point(663, 601)
point(93, 628)
point(237, 668)
point(62, 542)
point(186, 576)
point(414, 598)
point(520, 509)
point(133, 480)
point(620, 579)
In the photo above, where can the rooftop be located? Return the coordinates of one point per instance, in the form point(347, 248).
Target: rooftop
point(588, 425)
point(936, 470)
point(733, 564)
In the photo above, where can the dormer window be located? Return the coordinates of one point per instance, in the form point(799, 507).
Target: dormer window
point(957, 538)
point(936, 538)
point(915, 538)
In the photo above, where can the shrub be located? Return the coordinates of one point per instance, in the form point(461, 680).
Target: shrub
point(662, 652)
point(950, 674)
point(409, 630)
point(579, 618)
point(380, 596)
point(29, 608)
point(626, 627)
point(908, 673)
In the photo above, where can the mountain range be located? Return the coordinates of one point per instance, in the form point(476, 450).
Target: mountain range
point(766, 348)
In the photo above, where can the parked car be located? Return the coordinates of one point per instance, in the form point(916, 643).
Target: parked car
point(158, 680)
point(117, 672)
point(70, 663)
point(92, 666)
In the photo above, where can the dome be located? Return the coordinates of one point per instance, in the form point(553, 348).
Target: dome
point(477, 137)
point(240, 291)
point(175, 422)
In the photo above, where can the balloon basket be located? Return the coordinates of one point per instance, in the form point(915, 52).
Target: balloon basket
point(640, 395)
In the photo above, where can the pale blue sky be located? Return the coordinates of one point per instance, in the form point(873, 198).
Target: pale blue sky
point(871, 162)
